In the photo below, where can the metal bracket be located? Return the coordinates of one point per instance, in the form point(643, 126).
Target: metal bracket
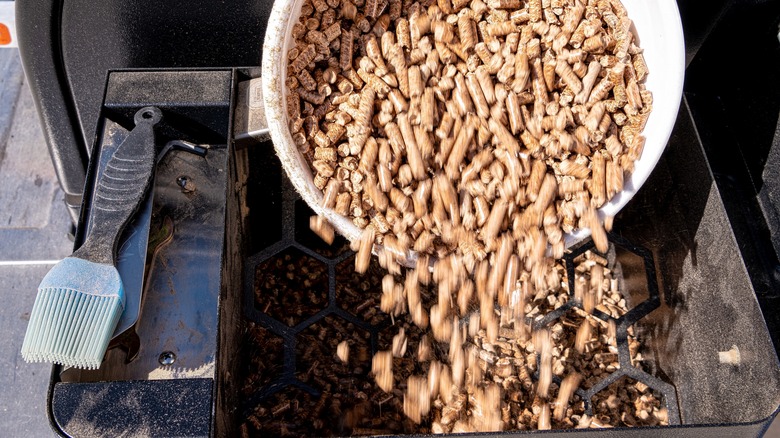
point(249, 123)
point(139, 237)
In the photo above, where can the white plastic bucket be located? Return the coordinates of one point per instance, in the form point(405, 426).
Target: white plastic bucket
point(659, 31)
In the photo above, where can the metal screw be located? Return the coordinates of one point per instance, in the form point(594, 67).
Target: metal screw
point(187, 186)
point(167, 358)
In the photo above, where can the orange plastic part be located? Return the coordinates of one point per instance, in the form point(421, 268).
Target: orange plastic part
point(5, 35)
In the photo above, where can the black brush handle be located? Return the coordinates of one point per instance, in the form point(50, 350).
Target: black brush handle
point(121, 187)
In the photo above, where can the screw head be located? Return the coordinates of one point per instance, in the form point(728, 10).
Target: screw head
point(167, 358)
point(186, 184)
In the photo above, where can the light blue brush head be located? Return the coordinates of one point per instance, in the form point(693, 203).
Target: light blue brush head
point(75, 314)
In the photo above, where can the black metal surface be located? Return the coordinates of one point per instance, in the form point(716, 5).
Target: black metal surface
point(151, 34)
point(134, 408)
point(228, 366)
point(196, 102)
point(182, 284)
point(205, 120)
point(174, 92)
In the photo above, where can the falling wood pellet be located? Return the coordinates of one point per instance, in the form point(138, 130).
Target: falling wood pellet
point(342, 351)
point(475, 134)
point(322, 228)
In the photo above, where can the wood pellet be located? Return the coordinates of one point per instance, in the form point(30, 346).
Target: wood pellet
point(469, 137)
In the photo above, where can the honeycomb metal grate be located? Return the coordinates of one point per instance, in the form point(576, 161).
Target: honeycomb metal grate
point(292, 240)
point(284, 331)
point(637, 312)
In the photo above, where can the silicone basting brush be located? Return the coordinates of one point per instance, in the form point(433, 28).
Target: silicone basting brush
point(81, 299)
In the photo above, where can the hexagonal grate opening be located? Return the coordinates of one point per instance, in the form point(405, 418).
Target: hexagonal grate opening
point(317, 361)
point(552, 296)
point(626, 274)
point(288, 413)
point(291, 286)
point(628, 402)
point(629, 270)
point(360, 294)
point(599, 355)
point(573, 411)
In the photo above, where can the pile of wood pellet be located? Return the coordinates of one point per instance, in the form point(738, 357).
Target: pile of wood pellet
point(511, 363)
point(577, 348)
point(334, 357)
point(278, 281)
point(627, 403)
point(469, 137)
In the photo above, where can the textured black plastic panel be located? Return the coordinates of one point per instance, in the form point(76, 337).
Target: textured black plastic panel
point(709, 302)
point(139, 408)
point(68, 48)
point(149, 34)
point(196, 103)
point(38, 27)
point(735, 111)
point(769, 195)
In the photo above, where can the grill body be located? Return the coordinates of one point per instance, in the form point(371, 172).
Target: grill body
point(705, 223)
